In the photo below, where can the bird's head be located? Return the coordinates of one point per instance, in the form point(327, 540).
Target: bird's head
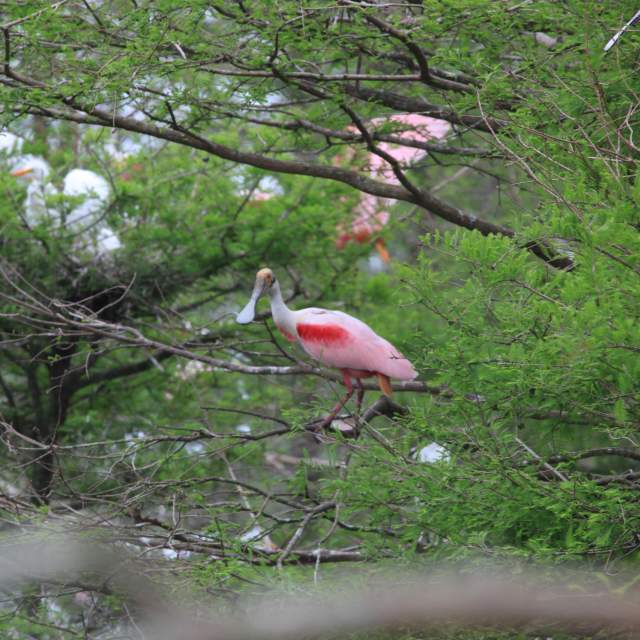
point(265, 283)
point(31, 168)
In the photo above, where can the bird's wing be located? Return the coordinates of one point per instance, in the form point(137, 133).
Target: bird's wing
point(81, 182)
point(342, 341)
point(95, 189)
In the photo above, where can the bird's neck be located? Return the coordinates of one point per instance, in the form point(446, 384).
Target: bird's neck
point(35, 189)
point(35, 204)
point(283, 317)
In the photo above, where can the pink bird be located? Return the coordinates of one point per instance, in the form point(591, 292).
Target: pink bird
point(371, 211)
point(335, 339)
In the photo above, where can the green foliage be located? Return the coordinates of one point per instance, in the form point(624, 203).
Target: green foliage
point(168, 428)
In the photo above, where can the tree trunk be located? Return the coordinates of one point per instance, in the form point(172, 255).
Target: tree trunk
point(61, 382)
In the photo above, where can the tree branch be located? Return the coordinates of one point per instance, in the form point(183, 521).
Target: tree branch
point(425, 73)
point(418, 105)
point(361, 182)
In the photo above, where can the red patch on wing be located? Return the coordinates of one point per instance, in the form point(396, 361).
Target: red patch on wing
point(290, 337)
point(362, 235)
point(325, 333)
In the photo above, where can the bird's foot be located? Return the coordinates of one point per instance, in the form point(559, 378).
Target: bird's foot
point(319, 424)
point(346, 425)
point(348, 428)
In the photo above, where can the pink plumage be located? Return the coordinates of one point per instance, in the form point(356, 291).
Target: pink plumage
point(372, 212)
point(333, 338)
point(339, 340)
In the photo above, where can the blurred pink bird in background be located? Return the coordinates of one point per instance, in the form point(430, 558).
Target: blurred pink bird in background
point(371, 212)
point(335, 339)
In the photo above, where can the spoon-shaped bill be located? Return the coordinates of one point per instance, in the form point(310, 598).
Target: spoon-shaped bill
point(249, 312)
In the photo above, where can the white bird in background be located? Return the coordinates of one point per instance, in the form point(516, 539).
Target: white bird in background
point(432, 453)
point(93, 234)
point(616, 37)
point(86, 216)
point(35, 171)
point(10, 143)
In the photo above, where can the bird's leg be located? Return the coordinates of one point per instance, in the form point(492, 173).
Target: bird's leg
point(382, 250)
point(359, 396)
point(334, 412)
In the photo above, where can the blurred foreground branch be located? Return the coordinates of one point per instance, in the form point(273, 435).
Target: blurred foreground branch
point(394, 604)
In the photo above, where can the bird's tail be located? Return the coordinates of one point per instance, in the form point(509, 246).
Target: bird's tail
point(385, 385)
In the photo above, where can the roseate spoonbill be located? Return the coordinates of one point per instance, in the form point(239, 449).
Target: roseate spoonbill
point(84, 219)
point(371, 212)
point(335, 339)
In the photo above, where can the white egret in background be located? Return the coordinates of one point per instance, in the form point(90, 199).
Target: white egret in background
point(432, 453)
point(628, 25)
point(85, 219)
point(10, 143)
point(35, 172)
